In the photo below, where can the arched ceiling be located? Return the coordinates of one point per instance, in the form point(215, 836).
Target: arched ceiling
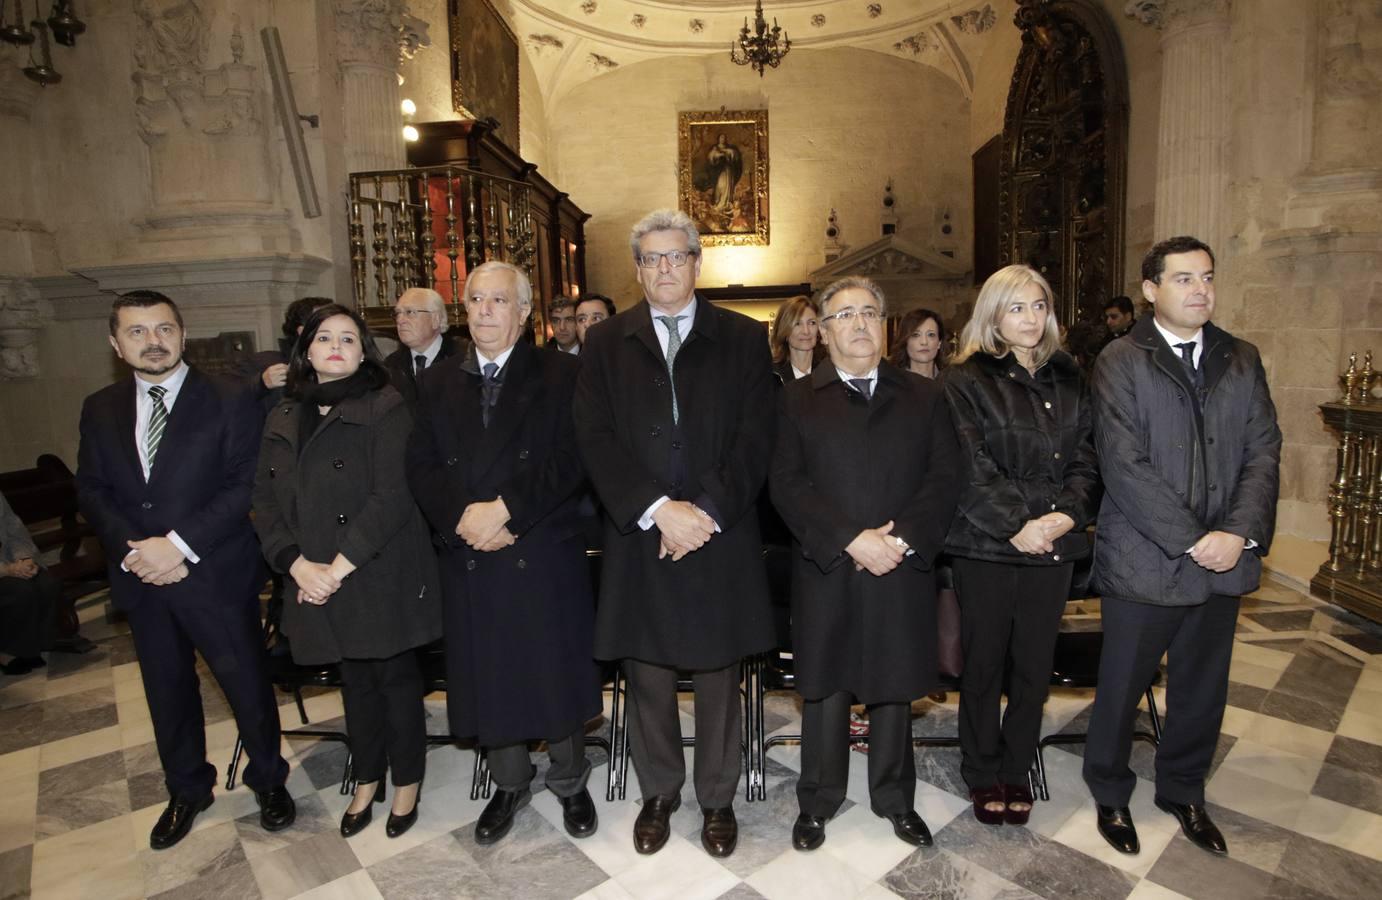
point(570, 42)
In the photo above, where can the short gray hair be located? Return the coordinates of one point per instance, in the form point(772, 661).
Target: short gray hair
point(850, 282)
point(666, 220)
point(525, 287)
point(433, 299)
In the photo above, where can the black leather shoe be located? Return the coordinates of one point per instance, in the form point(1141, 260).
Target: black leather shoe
point(354, 823)
point(911, 828)
point(276, 808)
point(497, 818)
point(653, 825)
point(398, 825)
point(809, 832)
point(1196, 824)
point(720, 832)
point(1115, 824)
point(177, 820)
point(578, 814)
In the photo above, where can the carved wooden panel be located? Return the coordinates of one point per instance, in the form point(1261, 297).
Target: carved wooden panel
point(1064, 161)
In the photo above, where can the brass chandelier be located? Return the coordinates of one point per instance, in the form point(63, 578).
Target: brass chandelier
point(64, 26)
point(763, 48)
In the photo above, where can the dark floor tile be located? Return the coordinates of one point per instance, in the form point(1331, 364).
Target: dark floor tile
point(1288, 645)
point(1188, 870)
point(1058, 872)
point(147, 789)
point(55, 728)
point(440, 868)
point(940, 766)
point(16, 868)
point(79, 776)
point(1368, 643)
point(1361, 756)
point(325, 762)
point(1002, 851)
point(931, 874)
point(1329, 870)
point(740, 891)
point(21, 727)
point(235, 882)
point(1246, 696)
point(1349, 787)
point(1320, 711)
point(1295, 620)
point(63, 664)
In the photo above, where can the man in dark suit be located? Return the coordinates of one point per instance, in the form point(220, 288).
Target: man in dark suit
point(866, 474)
point(561, 315)
point(493, 464)
point(674, 415)
point(165, 473)
point(1189, 450)
point(592, 310)
point(420, 315)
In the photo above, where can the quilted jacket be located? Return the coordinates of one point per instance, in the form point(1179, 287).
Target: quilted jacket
point(1027, 443)
point(1178, 463)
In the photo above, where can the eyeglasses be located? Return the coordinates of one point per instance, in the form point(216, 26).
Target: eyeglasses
point(410, 313)
point(869, 314)
point(675, 258)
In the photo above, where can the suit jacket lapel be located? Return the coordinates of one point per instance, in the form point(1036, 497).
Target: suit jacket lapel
point(126, 414)
point(514, 399)
point(180, 421)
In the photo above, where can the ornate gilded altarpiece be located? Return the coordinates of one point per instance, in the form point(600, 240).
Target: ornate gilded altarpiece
point(722, 175)
point(1063, 173)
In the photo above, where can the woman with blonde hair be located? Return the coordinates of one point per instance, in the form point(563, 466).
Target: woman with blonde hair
point(1022, 413)
point(795, 339)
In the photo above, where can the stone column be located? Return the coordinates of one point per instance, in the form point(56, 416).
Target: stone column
point(1192, 172)
point(26, 246)
point(368, 35)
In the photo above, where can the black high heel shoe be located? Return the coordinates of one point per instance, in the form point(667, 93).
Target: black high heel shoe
point(354, 823)
point(397, 825)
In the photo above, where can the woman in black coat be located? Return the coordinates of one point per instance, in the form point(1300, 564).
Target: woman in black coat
point(1022, 413)
point(333, 511)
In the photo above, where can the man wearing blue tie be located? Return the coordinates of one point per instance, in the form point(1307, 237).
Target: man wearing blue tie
point(164, 475)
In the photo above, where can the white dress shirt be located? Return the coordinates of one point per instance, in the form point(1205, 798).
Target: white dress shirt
point(871, 375)
point(431, 353)
point(499, 360)
point(798, 373)
point(143, 412)
point(685, 316)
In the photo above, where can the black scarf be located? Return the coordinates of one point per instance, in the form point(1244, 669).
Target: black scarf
point(328, 394)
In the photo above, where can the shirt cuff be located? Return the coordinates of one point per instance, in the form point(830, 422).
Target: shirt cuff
point(123, 567)
point(1250, 544)
point(646, 521)
point(183, 548)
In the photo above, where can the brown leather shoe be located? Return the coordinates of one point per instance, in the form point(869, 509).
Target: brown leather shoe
point(653, 825)
point(720, 833)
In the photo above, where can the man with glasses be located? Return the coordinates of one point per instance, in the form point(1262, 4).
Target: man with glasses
point(420, 315)
point(674, 419)
point(866, 474)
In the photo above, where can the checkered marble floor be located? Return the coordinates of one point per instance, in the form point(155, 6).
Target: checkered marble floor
point(1297, 789)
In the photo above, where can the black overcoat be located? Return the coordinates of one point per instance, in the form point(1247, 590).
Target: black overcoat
point(1029, 450)
point(400, 365)
point(519, 621)
point(346, 492)
point(843, 464)
point(711, 608)
point(1177, 465)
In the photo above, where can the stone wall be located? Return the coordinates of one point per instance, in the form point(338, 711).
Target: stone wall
point(841, 123)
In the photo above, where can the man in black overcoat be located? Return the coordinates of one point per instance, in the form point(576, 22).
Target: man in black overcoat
point(493, 464)
point(420, 316)
point(674, 415)
point(866, 475)
point(164, 475)
point(1189, 449)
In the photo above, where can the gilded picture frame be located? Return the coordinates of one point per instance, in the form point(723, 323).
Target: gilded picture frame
point(722, 175)
point(484, 67)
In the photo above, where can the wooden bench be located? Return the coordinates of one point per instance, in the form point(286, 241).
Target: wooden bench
point(45, 499)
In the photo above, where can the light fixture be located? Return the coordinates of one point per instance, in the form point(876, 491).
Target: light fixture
point(62, 24)
point(409, 107)
point(761, 48)
point(410, 133)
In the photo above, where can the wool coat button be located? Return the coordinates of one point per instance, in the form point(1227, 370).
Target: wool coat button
point(522, 454)
point(1057, 454)
point(523, 564)
point(338, 464)
point(1056, 557)
point(655, 431)
point(452, 461)
point(273, 473)
point(341, 519)
point(1047, 404)
point(470, 565)
point(676, 445)
point(1213, 487)
point(146, 505)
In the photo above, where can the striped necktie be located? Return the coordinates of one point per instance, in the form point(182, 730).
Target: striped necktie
point(158, 421)
point(673, 345)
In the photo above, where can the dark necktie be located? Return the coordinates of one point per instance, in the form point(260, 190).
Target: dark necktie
point(863, 386)
point(158, 420)
point(419, 363)
point(489, 391)
point(1187, 356)
point(673, 345)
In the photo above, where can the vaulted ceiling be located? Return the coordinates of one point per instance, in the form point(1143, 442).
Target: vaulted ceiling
point(572, 41)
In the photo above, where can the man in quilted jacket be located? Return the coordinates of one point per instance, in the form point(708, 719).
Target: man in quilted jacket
point(1189, 449)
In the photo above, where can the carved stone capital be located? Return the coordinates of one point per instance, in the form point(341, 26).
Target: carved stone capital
point(1172, 15)
point(371, 32)
point(23, 313)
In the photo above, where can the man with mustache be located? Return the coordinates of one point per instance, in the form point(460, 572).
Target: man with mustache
point(164, 475)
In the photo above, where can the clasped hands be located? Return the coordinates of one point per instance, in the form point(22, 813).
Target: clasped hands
point(1040, 535)
point(318, 581)
point(877, 550)
point(482, 526)
point(684, 528)
point(24, 568)
point(156, 560)
point(1218, 551)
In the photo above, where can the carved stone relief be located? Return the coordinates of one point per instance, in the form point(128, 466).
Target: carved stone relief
point(23, 313)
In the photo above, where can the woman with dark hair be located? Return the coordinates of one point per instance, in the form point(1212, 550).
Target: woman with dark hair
point(1022, 412)
point(333, 512)
point(920, 343)
point(795, 339)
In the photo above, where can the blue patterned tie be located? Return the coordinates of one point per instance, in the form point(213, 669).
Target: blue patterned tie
point(489, 391)
point(673, 345)
point(863, 386)
point(158, 421)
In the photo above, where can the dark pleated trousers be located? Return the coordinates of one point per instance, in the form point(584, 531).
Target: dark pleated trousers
point(385, 717)
point(825, 756)
point(655, 732)
point(567, 775)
